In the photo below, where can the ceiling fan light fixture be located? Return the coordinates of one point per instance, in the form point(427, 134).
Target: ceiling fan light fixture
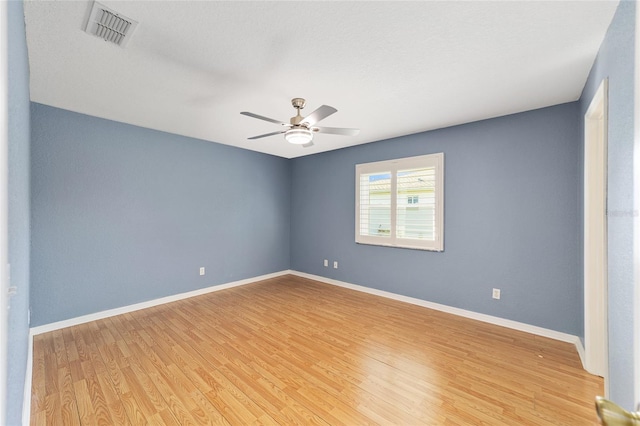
point(299, 136)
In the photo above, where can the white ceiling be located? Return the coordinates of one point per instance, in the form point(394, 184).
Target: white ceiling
point(390, 68)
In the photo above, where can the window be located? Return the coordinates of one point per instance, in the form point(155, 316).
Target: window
point(399, 203)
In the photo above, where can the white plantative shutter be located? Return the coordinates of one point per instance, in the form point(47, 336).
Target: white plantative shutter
point(400, 203)
point(416, 204)
point(375, 204)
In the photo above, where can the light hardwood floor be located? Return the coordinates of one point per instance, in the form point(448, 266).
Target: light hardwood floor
point(295, 351)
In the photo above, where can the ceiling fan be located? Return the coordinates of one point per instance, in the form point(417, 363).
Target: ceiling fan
point(300, 130)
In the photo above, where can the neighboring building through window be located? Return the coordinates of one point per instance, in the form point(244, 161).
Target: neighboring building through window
point(399, 203)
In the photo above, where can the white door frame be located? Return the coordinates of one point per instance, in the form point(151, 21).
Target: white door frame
point(636, 219)
point(4, 187)
point(595, 236)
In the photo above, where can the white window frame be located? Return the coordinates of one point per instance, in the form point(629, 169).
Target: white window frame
point(392, 166)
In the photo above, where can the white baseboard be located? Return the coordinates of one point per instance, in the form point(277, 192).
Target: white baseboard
point(515, 325)
point(136, 307)
point(581, 353)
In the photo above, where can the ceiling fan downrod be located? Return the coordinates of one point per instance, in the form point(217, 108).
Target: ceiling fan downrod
point(298, 104)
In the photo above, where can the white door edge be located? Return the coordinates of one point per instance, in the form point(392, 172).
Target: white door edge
point(4, 187)
point(595, 235)
point(636, 219)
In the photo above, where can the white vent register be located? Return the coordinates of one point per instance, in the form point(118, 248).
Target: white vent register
point(110, 25)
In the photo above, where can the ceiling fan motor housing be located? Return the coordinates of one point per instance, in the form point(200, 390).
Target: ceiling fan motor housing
point(298, 103)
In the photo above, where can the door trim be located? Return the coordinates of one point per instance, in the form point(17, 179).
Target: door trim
point(4, 224)
point(636, 219)
point(595, 235)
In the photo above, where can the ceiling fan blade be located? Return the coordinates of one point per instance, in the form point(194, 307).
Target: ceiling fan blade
point(321, 113)
point(307, 145)
point(260, 117)
point(267, 134)
point(337, 131)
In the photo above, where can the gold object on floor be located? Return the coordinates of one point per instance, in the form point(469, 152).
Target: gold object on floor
point(612, 414)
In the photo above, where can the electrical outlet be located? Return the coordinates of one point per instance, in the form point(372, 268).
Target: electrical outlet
point(202, 270)
point(326, 262)
point(335, 264)
point(496, 293)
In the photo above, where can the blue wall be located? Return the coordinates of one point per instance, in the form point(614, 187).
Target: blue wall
point(616, 61)
point(511, 219)
point(122, 214)
point(19, 133)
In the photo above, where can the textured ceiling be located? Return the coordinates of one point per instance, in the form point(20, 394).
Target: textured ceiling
point(390, 68)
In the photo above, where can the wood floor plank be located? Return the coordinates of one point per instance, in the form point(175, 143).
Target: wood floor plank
point(139, 393)
point(294, 351)
point(112, 398)
point(68, 407)
point(164, 417)
point(83, 399)
point(108, 352)
point(174, 401)
point(53, 410)
point(39, 418)
point(131, 407)
point(50, 374)
point(210, 411)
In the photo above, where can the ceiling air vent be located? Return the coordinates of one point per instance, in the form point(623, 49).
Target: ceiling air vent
point(110, 25)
